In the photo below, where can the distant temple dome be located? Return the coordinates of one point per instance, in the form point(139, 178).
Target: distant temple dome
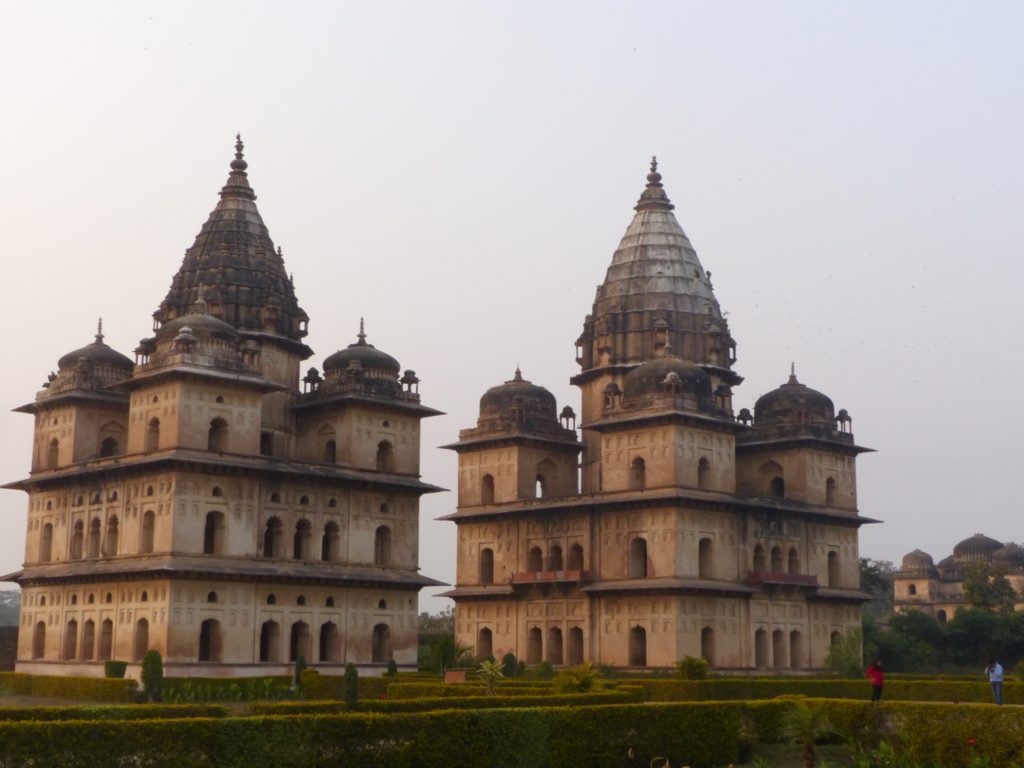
point(795, 403)
point(519, 400)
point(655, 376)
point(200, 325)
point(96, 353)
point(917, 560)
point(366, 355)
point(1011, 555)
point(976, 548)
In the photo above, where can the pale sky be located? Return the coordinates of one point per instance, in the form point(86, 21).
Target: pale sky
point(461, 173)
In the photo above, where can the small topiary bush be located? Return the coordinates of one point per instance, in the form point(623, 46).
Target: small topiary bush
point(692, 668)
point(114, 669)
point(152, 675)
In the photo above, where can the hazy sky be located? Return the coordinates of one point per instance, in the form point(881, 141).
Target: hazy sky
point(461, 173)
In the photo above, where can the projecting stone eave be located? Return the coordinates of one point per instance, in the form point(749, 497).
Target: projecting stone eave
point(303, 351)
point(145, 376)
point(470, 439)
point(671, 584)
point(92, 397)
point(657, 415)
point(754, 445)
point(309, 402)
point(480, 592)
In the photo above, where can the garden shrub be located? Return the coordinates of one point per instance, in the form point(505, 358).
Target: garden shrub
point(199, 689)
point(113, 668)
point(692, 668)
point(445, 690)
point(79, 688)
point(152, 675)
point(112, 712)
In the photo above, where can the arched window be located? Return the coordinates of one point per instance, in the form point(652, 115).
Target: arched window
point(912, 589)
point(706, 559)
point(217, 491)
point(53, 454)
point(707, 645)
point(534, 646)
point(109, 598)
point(300, 641)
point(487, 489)
point(637, 647)
point(382, 546)
point(46, 543)
point(106, 640)
point(830, 492)
point(776, 560)
point(302, 540)
point(330, 651)
point(385, 457)
point(217, 437)
point(382, 604)
point(152, 441)
point(545, 473)
point(772, 478)
point(777, 488)
point(332, 503)
point(213, 534)
point(555, 561)
point(39, 640)
point(381, 644)
point(77, 537)
point(575, 646)
point(575, 559)
point(94, 537)
point(149, 490)
point(266, 443)
point(300, 600)
point(88, 640)
point(761, 648)
point(270, 641)
point(304, 501)
point(833, 639)
point(144, 597)
point(330, 451)
point(330, 543)
point(638, 558)
point(70, 641)
point(329, 602)
point(271, 599)
point(148, 530)
point(793, 561)
point(141, 644)
point(833, 569)
point(484, 644)
point(272, 534)
point(211, 597)
point(210, 644)
point(940, 616)
point(109, 447)
point(637, 475)
point(779, 649)
point(704, 474)
point(555, 646)
point(535, 560)
point(110, 541)
point(760, 565)
point(796, 649)
point(486, 566)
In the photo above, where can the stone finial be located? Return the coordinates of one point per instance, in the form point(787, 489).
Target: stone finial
point(239, 164)
point(361, 336)
point(653, 197)
point(792, 374)
point(518, 375)
point(99, 331)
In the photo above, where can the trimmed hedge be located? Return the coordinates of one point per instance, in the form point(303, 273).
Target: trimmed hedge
point(332, 687)
point(198, 689)
point(115, 712)
point(78, 688)
point(456, 690)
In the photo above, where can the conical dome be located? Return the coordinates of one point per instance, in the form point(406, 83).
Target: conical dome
point(233, 271)
point(655, 293)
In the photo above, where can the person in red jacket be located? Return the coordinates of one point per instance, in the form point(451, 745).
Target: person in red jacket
point(877, 680)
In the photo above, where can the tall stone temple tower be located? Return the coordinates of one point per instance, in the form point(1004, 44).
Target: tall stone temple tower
point(696, 531)
point(203, 502)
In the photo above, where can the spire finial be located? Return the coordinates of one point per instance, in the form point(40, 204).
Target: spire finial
point(654, 163)
point(653, 197)
point(362, 332)
point(99, 331)
point(792, 373)
point(239, 164)
point(519, 374)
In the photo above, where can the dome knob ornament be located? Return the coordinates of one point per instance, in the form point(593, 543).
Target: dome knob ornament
point(239, 164)
point(653, 198)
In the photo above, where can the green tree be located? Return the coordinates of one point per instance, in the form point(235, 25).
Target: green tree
point(490, 672)
point(351, 684)
point(846, 656)
point(986, 587)
point(152, 675)
point(509, 664)
point(876, 580)
point(806, 726)
point(578, 679)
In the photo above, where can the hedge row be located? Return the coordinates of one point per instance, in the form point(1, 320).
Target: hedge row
point(113, 712)
point(445, 690)
point(78, 688)
point(624, 695)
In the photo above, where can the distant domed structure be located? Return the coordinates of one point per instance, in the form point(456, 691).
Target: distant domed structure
point(976, 548)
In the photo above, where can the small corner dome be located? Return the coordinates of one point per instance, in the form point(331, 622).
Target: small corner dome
point(786, 402)
point(367, 355)
point(1009, 554)
point(917, 559)
point(977, 547)
point(651, 378)
point(201, 326)
point(96, 353)
point(534, 400)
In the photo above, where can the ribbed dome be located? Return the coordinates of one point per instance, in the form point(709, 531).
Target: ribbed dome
point(917, 560)
point(794, 402)
point(97, 353)
point(655, 376)
point(200, 325)
point(521, 404)
point(1009, 555)
point(977, 547)
point(369, 357)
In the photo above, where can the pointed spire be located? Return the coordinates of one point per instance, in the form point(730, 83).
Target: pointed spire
point(792, 374)
point(362, 333)
point(239, 164)
point(238, 182)
point(99, 331)
point(653, 197)
point(519, 374)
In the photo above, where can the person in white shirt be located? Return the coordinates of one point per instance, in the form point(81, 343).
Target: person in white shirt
point(995, 677)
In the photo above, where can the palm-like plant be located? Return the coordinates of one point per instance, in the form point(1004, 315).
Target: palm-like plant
point(806, 725)
point(490, 672)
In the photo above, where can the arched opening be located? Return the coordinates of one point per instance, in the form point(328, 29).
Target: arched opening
point(830, 492)
point(574, 649)
point(771, 475)
point(213, 534)
point(110, 540)
point(385, 457)
point(535, 560)
point(833, 569)
point(77, 539)
point(637, 475)
point(381, 644)
point(796, 649)
point(534, 646)
point(152, 441)
point(217, 437)
point(486, 565)
point(106, 640)
point(793, 561)
point(940, 616)
point(141, 644)
point(211, 597)
point(760, 565)
point(330, 451)
point(144, 597)
point(271, 599)
point(109, 598)
point(266, 443)
point(270, 641)
point(300, 600)
point(210, 643)
point(776, 560)
point(638, 558)
point(706, 559)
point(382, 546)
point(760, 648)
point(777, 488)
point(555, 560)
point(704, 474)
point(638, 647)
point(487, 489)
point(272, 534)
point(330, 543)
point(217, 491)
point(53, 454)
point(330, 651)
point(94, 537)
point(707, 645)
point(109, 447)
point(329, 602)
point(39, 640)
point(70, 641)
point(555, 646)
point(148, 531)
point(575, 559)
point(779, 649)
point(302, 540)
point(545, 472)
point(484, 644)
point(912, 589)
point(88, 640)
point(833, 639)
point(300, 641)
point(46, 543)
